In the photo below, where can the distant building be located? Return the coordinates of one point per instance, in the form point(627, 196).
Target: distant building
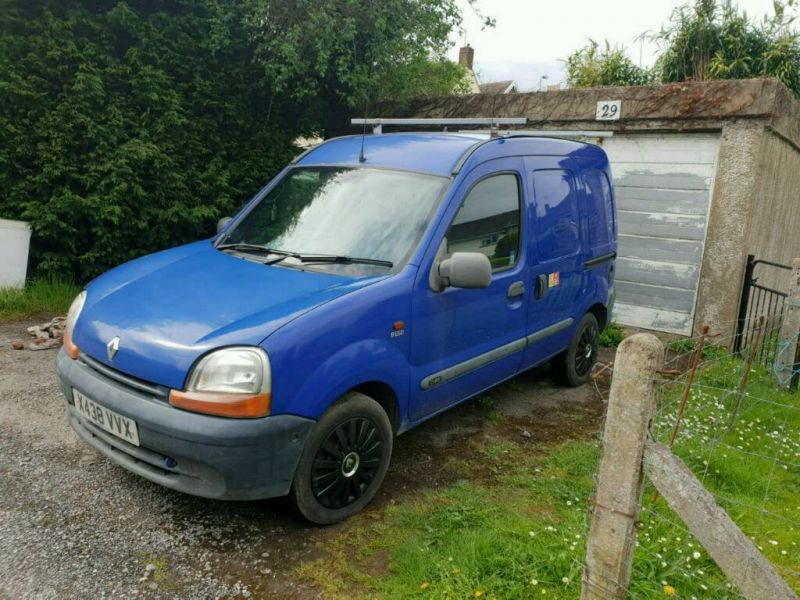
point(466, 58)
point(499, 87)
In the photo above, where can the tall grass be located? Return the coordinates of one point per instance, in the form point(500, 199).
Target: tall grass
point(41, 297)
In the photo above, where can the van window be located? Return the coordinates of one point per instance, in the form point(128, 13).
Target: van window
point(556, 214)
point(358, 212)
point(599, 210)
point(488, 221)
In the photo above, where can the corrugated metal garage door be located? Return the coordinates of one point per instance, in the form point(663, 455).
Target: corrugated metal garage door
point(663, 185)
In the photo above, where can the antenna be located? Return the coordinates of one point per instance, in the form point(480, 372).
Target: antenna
point(361, 157)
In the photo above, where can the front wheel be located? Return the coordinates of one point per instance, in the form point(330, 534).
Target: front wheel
point(344, 460)
point(575, 364)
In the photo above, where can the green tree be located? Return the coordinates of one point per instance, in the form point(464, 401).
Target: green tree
point(592, 67)
point(709, 39)
point(713, 40)
point(127, 126)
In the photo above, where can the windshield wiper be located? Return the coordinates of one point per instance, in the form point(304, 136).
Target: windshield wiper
point(306, 258)
point(339, 259)
point(256, 248)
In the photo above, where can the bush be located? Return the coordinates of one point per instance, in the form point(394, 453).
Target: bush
point(131, 126)
point(592, 67)
point(128, 128)
point(612, 336)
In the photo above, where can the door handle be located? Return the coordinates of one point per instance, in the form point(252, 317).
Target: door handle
point(516, 289)
point(541, 286)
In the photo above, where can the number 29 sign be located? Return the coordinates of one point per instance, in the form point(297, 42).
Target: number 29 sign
point(608, 110)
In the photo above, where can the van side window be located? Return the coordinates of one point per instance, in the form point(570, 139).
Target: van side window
point(488, 221)
point(598, 210)
point(556, 214)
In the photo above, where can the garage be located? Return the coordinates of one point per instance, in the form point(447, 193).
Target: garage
point(663, 184)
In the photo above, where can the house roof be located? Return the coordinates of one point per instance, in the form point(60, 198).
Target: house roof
point(497, 87)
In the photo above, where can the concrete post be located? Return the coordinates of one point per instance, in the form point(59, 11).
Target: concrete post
point(631, 403)
point(790, 328)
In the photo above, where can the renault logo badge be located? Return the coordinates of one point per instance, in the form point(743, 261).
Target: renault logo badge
point(112, 348)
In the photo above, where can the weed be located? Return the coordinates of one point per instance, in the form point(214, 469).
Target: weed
point(495, 450)
point(485, 402)
point(688, 346)
point(40, 297)
point(611, 336)
point(496, 417)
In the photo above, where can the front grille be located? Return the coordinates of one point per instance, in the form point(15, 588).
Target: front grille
point(150, 389)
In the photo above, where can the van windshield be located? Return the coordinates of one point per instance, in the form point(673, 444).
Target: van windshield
point(349, 213)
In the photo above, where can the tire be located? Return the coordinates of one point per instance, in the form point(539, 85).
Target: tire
point(344, 460)
point(575, 364)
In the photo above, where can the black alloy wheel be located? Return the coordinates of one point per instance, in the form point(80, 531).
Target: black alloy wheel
point(347, 463)
point(344, 460)
point(575, 364)
point(586, 351)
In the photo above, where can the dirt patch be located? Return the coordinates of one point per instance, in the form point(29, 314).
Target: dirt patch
point(59, 498)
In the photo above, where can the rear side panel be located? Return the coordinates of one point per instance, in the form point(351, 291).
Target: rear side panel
point(574, 245)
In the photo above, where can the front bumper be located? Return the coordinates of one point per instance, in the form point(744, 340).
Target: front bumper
point(214, 457)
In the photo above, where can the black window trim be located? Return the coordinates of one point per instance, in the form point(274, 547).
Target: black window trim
point(520, 204)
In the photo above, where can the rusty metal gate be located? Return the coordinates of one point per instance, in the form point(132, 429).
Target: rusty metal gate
point(760, 300)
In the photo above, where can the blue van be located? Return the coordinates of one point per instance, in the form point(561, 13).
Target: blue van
point(374, 283)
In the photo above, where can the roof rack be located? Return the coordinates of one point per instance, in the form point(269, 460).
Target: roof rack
point(491, 122)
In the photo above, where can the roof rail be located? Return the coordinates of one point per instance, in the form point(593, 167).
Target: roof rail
point(553, 133)
point(491, 122)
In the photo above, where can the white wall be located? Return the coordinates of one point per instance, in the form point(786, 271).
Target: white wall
point(14, 241)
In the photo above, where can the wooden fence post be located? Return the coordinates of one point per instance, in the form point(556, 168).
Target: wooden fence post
point(731, 549)
point(631, 403)
point(787, 343)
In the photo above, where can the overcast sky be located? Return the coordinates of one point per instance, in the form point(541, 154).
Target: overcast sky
point(531, 36)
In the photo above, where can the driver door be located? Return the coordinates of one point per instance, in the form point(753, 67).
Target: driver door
point(466, 340)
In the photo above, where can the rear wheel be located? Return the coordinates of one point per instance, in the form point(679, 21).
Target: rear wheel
point(575, 364)
point(344, 460)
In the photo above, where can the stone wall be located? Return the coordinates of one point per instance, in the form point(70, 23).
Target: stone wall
point(726, 238)
point(675, 107)
point(774, 225)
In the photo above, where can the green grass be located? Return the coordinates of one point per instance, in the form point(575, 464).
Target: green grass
point(45, 297)
point(490, 540)
point(688, 345)
point(521, 532)
point(753, 467)
point(612, 336)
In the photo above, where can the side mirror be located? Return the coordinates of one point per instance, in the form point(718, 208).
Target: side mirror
point(466, 270)
point(223, 223)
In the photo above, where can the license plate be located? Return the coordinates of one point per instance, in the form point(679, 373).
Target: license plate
point(114, 423)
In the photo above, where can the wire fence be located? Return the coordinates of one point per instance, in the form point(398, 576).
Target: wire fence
point(734, 423)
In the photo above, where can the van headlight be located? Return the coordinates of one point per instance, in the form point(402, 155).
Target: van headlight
point(232, 382)
point(72, 317)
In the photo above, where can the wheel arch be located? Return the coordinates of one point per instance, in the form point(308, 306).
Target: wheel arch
point(600, 313)
point(384, 395)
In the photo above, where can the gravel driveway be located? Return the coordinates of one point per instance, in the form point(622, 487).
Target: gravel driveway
point(72, 524)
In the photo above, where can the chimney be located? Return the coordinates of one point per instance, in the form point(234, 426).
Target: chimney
point(465, 56)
